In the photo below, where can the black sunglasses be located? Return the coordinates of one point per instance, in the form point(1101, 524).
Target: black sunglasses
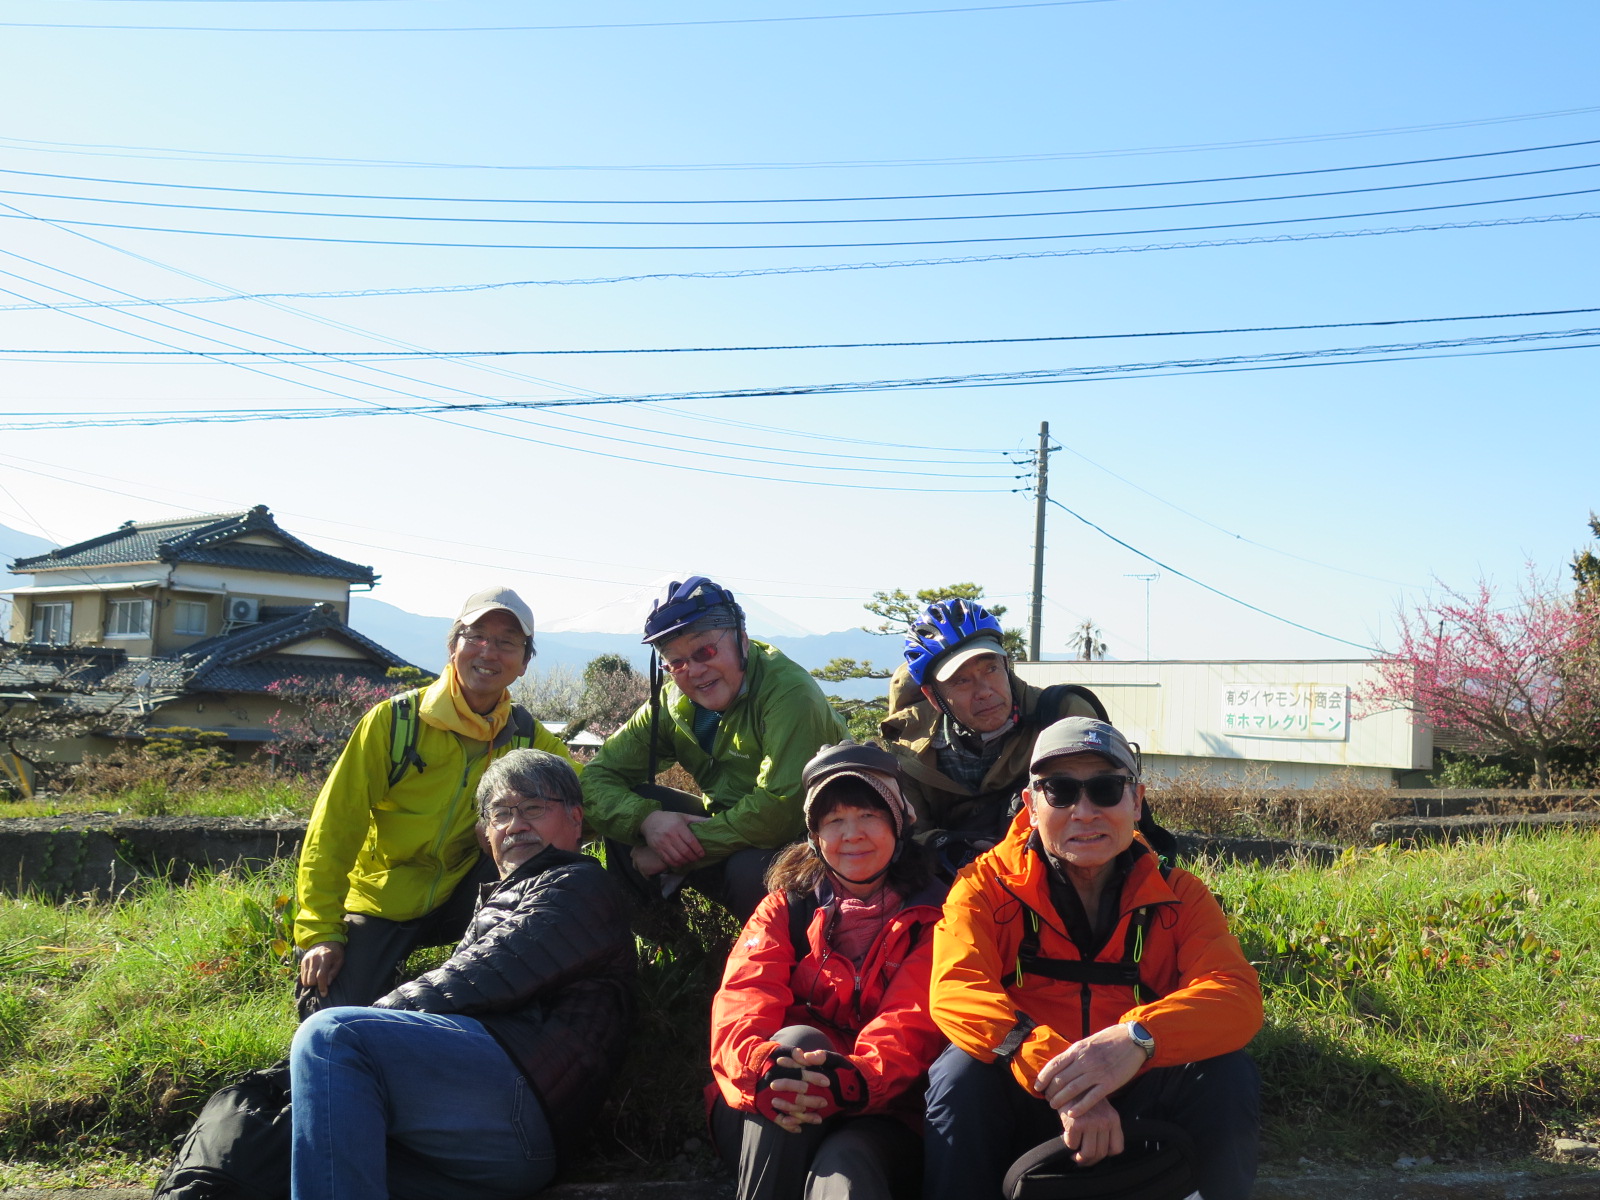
point(1061, 791)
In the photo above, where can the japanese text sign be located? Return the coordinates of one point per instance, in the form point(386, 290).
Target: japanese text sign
point(1316, 711)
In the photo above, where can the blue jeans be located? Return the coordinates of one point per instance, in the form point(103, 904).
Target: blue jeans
point(981, 1120)
point(414, 1106)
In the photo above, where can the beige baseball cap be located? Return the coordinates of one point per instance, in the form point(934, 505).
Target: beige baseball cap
point(486, 601)
point(965, 653)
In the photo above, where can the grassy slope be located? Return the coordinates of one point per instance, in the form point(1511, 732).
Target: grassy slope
point(1444, 1000)
point(117, 1021)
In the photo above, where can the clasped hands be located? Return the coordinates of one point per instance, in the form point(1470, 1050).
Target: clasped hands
point(670, 843)
point(814, 1096)
point(1079, 1082)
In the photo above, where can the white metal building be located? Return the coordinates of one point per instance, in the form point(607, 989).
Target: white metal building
point(1298, 720)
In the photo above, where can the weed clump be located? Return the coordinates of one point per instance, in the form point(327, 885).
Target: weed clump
point(1261, 807)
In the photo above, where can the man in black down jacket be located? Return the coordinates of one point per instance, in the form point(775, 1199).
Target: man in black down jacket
point(475, 1078)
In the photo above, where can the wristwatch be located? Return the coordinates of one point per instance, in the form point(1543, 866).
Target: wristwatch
point(1140, 1036)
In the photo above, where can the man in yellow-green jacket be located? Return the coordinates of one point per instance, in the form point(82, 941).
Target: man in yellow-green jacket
point(743, 720)
point(391, 859)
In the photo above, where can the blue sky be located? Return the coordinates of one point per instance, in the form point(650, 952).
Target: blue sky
point(1385, 476)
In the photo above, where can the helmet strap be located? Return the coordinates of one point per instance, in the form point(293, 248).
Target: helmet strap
point(873, 878)
point(971, 740)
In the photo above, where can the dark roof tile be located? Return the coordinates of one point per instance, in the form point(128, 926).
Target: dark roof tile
point(211, 540)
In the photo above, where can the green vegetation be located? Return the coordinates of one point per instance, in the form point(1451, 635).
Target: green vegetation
point(1442, 1001)
point(117, 1020)
point(265, 798)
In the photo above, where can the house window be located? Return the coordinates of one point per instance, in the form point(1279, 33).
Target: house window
point(189, 617)
point(52, 623)
point(128, 618)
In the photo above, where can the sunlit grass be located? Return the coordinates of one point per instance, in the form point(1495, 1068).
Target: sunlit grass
point(1440, 1001)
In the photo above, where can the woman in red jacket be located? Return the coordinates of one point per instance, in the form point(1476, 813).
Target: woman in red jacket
point(820, 1033)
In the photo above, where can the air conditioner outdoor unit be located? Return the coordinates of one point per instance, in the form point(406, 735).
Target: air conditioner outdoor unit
point(242, 611)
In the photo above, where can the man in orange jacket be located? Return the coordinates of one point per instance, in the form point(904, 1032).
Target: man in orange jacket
point(1081, 982)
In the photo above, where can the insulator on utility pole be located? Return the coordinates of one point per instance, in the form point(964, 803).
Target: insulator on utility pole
point(1041, 494)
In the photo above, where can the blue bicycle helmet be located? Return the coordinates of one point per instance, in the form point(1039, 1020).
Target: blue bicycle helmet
point(695, 601)
point(946, 625)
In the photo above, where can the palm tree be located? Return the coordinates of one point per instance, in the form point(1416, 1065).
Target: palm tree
point(1087, 641)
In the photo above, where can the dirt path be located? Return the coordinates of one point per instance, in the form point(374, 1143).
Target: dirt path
point(1312, 1183)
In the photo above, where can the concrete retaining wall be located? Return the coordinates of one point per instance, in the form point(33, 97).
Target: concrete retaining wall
point(1458, 802)
point(101, 854)
point(1452, 829)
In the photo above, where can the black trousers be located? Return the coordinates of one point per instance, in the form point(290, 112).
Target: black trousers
point(376, 948)
point(980, 1120)
point(845, 1158)
point(737, 883)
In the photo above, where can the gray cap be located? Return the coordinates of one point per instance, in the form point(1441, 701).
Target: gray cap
point(872, 765)
point(965, 653)
point(486, 601)
point(1084, 735)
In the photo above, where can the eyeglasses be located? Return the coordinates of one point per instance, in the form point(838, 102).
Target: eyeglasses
point(1061, 791)
point(703, 655)
point(501, 645)
point(533, 812)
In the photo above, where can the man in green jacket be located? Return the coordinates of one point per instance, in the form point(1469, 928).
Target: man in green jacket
point(743, 720)
point(391, 859)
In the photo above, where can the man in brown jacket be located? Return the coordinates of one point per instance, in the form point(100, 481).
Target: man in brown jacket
point(963, 726)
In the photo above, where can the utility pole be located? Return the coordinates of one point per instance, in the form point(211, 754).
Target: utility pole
point(1041, 493)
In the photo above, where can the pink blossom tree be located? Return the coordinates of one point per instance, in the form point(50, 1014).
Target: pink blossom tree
point(319, 713)
point(1521, 678)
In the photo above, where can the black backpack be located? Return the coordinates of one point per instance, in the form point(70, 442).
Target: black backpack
point(1157, 1164)
point(238, 1148)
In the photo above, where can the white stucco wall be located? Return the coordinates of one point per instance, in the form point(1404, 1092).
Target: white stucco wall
point(1176, 712)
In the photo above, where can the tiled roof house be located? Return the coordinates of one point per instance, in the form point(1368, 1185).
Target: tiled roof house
point(189, 620)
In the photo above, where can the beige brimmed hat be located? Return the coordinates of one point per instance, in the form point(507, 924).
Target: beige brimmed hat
point(480, 603)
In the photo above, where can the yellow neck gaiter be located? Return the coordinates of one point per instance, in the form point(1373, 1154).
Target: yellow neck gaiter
point(444, 707)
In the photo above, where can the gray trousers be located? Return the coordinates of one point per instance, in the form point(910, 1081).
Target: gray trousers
point(845, 1158)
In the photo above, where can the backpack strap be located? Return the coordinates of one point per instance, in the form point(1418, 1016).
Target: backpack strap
point(1124, 973)
point(403, 736)
point(519, 730)
point(1056, 699)
point(802, 907)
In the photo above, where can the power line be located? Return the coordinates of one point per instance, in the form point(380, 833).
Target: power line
point(434, 415)
point(492, 406)
point(821, 268)
point(910, 12)
point(452, 558)
point(1040, 237)
point(701, 224)
point(1277, 359)
point(106, 150)
point(1215, 591)
point(355, 355)
point(497, 408)
point(1194, 516)
point(1098, 187)
point(218, 504)
point(735, 423)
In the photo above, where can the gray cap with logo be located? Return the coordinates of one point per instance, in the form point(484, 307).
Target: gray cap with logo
point(1084, 735)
